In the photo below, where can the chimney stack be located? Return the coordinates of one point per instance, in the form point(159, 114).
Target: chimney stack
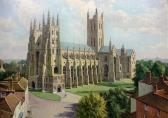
point(149, 77)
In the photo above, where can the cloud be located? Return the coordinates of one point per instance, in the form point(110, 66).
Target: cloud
point(26, 10)
point(154, 50)
point(7, 24)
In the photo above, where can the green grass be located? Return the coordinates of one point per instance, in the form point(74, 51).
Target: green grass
point(126, 84)
point(46, 95)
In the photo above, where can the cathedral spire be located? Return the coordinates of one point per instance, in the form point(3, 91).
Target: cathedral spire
point(34, 24)
point(88, 14)
point(110, 44)
point(57, 20)
point(39, 26)
point(96, 11)
point(43, 19)
point(30, 26)
point(67, 54)
point(48, 19)
point(53, 20)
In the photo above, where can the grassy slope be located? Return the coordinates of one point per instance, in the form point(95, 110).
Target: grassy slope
point(46, 95)
point(104, 86)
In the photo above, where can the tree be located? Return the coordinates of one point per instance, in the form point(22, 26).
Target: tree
point(91, 106)
point(11, 67)
point(117, 103)
point(141, 70)
point(166, 70)
point(158, 69)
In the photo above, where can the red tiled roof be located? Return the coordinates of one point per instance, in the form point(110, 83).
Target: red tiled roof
point(155, 101)
point(21, 96)
point(9, 103)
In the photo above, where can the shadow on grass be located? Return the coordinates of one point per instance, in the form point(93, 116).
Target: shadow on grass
point(120, 85)
point(70, 114)
point(35, 90)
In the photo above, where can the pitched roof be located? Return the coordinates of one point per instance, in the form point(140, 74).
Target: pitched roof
point(159, 97)
point(155, 101)
point(21, 85)
point(75, 46)
point(9, 103)
point(105, 49)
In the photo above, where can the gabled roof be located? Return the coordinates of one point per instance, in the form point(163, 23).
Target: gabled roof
point(75, 46)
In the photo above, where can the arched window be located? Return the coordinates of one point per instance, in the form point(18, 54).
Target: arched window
point(106, 70)
point(56, 70)
point(64, 70)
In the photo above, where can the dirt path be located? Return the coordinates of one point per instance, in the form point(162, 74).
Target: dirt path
point(52, 109)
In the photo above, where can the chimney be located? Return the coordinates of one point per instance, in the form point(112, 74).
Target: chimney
point(156, 88)
point(148, 75)
point(11, 83)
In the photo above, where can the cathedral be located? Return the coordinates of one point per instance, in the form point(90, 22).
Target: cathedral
point(54, 65)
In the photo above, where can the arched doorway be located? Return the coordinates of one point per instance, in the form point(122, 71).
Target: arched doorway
point(56, 70)
point(33, 85)
point(59, 89)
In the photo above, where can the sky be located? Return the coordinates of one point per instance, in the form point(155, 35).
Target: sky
point(141, 25)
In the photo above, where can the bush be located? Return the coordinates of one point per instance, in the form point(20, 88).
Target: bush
point(91, 106)
point(117, 102)
point(6, 74)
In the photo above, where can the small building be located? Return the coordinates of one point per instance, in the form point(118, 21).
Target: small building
point(13, 97)
point(152, 98)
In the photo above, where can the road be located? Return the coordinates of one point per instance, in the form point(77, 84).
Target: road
point(65, 108)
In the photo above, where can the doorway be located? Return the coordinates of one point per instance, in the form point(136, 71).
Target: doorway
point(59, 89)
point(33, 85)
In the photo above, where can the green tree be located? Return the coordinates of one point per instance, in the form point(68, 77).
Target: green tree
point(117, 103)
point(141, 70)
point(158, 69)
point(166, 70)
point(91, 106)
point(11, 67)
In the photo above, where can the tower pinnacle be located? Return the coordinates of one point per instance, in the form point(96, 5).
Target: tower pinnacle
point(57, 20)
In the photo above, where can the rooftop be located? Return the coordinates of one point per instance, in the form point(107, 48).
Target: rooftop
point(159, 97)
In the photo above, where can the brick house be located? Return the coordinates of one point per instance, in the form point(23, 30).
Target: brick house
point(152, 100)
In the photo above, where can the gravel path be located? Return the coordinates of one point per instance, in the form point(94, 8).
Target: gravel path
point(65, 108)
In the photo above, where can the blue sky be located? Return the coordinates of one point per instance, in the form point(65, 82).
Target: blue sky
point(141, 25)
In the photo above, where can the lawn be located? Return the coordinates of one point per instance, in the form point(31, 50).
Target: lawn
point(46, 95)
point(126, 84)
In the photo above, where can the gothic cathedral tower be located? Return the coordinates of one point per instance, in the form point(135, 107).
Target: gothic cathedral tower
point(95, 32)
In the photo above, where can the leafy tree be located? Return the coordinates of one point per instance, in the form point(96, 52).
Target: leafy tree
point(117, 103)
point(5, 74)
point(11, 67)
point(166, 70)
point(91, 106)
point(158, 69)
point(141, 70)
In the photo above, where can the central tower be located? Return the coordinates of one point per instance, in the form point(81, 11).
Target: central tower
point(95, 32)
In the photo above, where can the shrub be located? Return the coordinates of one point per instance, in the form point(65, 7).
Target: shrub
point(91, 106)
